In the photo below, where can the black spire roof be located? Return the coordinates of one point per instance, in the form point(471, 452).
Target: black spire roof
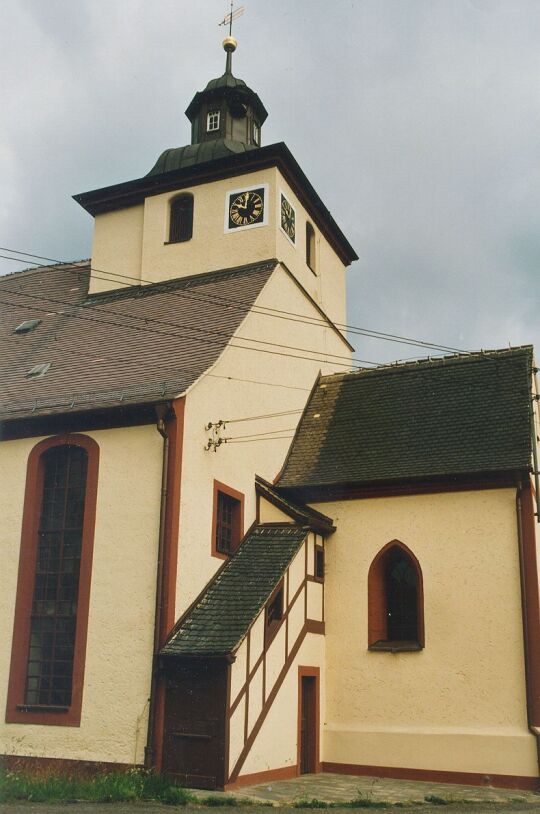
point(226, 118)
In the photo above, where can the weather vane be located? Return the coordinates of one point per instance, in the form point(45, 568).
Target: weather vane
point(232, 15)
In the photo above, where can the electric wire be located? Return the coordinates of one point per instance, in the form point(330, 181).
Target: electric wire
point(257, 417)
point(368, 332)
point(110, 312)
point(254, 440)
point(258, 434)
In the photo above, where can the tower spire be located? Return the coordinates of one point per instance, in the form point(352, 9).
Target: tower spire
point(229, 43)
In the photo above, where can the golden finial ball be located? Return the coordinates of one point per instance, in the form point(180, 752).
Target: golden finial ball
point(230, 44)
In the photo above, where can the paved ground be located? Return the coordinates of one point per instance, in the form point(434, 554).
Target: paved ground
point(155, 808)
point(342, 788)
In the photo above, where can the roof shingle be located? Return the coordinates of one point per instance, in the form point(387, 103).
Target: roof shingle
point(218, 621)
point(456, 415)
point(136, 345)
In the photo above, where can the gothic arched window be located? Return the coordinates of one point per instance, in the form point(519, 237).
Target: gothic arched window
point(181, 219)
point(51, 614)
point(395, 600)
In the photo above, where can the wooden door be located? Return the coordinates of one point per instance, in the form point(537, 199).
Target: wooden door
point(308, 724)
point(194, 737)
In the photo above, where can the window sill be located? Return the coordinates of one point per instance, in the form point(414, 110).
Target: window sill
point(396, 647)
point(175, 242)
point(40, 708)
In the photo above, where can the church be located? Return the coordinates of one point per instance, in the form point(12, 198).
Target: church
point(230, 554)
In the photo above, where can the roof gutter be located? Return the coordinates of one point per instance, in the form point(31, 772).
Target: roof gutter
point(530, 605)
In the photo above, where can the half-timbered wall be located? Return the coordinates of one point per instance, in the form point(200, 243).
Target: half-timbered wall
point(264, 677)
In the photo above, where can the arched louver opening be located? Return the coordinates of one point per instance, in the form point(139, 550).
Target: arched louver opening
point(395, 600)
point(181, 219)
point(310, 247)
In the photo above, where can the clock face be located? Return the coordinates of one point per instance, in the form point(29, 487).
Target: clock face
point(288, 218)
point(246, 208)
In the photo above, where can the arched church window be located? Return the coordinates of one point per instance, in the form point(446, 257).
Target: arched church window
point(181, 219)
point(310, 247)
point(395, 600)
point(51, 615)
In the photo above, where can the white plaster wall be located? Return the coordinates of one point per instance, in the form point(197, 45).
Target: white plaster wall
point(122, 598)
point(256, 640)
point(238, 670)
point(270, 383)
point(315, 601)
point(460, 704)
point(255, 697)
point(297, 571)
point(268, 513)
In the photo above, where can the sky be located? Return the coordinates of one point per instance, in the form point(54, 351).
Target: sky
point(417, 122)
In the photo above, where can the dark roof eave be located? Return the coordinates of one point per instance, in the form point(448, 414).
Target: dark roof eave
point(326, 492)
point(317, 521)
point(131, 193)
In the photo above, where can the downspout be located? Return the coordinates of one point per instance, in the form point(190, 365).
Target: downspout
point(162, 429)
point(530, 611)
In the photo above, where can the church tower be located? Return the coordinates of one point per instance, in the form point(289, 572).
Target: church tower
point(222, 201)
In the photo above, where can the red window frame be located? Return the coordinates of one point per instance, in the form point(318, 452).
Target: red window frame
point(16, 710)
point(238, 521)
point(377, 604)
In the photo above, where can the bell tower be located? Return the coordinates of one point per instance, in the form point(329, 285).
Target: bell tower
point(227, 108)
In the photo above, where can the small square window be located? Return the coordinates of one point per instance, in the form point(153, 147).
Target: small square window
point(319, 563)
point(212, 121)
point(274, 614)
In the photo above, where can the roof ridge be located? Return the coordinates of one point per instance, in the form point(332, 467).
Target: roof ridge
point(79, 264)
point(149, 289)
point(429, 362)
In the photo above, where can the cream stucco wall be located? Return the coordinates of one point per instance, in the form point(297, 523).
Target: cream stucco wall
point(117, 248)
point(459, 704)
point(134, 241)
point(261, 384)
point(122, 599)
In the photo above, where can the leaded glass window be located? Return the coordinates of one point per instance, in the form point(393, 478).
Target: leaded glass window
point(400, 582)
point(56, 584)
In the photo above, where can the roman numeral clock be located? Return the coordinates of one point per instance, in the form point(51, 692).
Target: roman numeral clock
point(246, 208)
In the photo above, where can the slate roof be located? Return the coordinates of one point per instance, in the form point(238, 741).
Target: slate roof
point(136, 345)
point(178, 158)
point(452, 416)
point(219, 619)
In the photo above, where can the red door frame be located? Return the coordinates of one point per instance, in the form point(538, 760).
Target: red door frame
point(309, 672)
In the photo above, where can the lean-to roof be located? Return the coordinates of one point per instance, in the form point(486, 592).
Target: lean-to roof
point(217, 622)
point(459, 415)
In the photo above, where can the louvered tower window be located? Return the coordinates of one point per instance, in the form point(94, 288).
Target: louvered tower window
point(310, 247)
point(56, 585)
point(181, 219)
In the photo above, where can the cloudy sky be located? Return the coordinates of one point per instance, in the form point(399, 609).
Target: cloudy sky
point(417, 121)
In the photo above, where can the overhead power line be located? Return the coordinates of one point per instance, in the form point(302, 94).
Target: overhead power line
point(356, 330)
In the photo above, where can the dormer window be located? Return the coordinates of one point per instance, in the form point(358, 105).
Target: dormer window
point(181, 220)
point(212, 121)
